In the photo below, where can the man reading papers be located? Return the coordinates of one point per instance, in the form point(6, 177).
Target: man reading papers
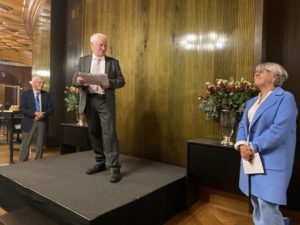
point(97, 99)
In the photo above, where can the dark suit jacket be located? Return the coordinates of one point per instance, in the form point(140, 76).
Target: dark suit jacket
point(27, 108)
point(116, 80)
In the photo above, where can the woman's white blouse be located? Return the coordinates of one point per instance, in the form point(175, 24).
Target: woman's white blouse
point(251, 113)
point(254, 107)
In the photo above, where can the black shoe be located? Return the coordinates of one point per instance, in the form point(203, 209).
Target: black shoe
point(115, 175)
point(96, 169)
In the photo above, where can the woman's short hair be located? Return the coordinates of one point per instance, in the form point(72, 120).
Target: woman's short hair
point(276, 70)
point(95, 37)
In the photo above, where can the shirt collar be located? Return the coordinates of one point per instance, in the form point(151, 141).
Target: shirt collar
point(98, 58)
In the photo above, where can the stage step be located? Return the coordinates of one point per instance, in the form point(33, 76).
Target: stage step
point(25, 216)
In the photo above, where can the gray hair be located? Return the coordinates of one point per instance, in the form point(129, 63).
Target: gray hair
point(276, 69)
point(95, 37)
point(36, 77)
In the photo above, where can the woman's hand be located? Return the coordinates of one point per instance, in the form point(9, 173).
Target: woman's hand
point(246, 152)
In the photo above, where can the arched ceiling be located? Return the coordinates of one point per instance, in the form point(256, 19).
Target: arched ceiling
point(17, 19)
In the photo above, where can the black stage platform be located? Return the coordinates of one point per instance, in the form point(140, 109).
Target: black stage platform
point(149, 193)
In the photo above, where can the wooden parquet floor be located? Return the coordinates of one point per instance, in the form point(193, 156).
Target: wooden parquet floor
point(209, 215)
point(220, 208)
point(4, 149)
point(215, 208)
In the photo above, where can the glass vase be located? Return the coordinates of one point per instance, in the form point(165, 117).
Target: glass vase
point(77, 114)
point(228, 123)
point(80, 117)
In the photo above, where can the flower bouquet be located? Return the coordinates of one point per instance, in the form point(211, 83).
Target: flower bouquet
point(71, 98)
point(226, 95)
point(225, 101)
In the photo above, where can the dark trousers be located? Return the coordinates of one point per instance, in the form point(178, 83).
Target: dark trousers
point(102, 132)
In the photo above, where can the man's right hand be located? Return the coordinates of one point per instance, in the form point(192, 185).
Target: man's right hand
point(80, 80)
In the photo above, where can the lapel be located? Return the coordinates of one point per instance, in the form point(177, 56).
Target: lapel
point(271, 100)
point(88, 64)
point(107, 64)
point(31, 98)
point(43, 97)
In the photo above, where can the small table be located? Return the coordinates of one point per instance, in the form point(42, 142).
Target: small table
point(73, 136)
point(11, 119)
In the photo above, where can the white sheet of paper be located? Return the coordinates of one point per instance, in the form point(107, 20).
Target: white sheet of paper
point(97, 79)
point(255, 167)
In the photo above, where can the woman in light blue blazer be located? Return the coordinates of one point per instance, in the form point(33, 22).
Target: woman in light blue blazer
point(268, 126)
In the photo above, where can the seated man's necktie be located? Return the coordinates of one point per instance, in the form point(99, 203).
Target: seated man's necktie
point(37, 102)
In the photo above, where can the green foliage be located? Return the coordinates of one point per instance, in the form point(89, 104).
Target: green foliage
point(71, 98)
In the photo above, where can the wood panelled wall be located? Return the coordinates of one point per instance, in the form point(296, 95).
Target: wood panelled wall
point(41, 48)
point(157, 110)
point(74, 44)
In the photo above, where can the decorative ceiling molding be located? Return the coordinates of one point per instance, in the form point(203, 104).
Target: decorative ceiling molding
point(15, 44)
point(30, 12)
point(18, 20)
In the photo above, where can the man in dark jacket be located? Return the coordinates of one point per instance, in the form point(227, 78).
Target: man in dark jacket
point(98, 101)
point(36, 106)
